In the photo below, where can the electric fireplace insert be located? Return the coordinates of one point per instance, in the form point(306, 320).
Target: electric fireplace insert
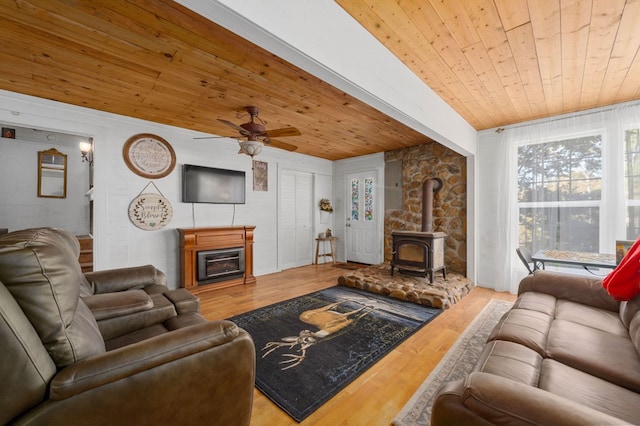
point(219, 265)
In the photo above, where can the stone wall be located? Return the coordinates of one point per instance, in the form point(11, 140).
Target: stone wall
point(449, 205)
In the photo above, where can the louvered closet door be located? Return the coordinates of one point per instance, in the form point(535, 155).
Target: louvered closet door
point(295, 233)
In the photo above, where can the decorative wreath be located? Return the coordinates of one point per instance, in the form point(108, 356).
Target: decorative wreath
point(325, 205)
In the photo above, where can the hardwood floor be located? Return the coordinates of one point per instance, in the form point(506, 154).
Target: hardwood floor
point(379, 394)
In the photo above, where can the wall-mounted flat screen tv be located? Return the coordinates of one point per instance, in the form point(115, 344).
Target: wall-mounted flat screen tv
point(211, 185)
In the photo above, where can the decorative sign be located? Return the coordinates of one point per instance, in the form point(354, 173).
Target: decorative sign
point(150, 211)
point(149, 156)
point(260, 176)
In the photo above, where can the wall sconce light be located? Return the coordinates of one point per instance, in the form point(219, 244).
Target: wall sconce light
point(86, 149)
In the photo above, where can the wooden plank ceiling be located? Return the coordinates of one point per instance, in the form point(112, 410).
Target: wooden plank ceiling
point(496, 62)
point(499, 62)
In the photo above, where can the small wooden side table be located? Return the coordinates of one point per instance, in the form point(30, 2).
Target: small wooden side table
point(332, 246)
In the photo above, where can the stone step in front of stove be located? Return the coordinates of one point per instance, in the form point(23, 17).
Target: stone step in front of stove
point(443, 293)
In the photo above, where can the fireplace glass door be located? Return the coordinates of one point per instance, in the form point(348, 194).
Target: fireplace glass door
point(218, 265)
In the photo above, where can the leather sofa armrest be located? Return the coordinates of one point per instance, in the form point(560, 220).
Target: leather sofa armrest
point(111, 305)
point(121, 279)
point(183, 300)
point(484, 398)
point(143, 357)
point(578, 288)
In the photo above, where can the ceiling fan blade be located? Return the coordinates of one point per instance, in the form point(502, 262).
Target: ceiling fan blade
point(280, 133)
point(279, 144)
point(217, 137)
point(235, 126)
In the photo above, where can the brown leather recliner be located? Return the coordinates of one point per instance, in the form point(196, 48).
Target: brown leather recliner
point(112, 347)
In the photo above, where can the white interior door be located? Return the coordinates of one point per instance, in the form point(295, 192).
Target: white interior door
point(363, 234)
point(295, 236)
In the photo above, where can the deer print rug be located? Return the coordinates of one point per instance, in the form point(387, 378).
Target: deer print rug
point(311, 347)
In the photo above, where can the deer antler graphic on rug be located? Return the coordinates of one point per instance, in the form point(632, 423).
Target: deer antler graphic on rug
point(329, 322)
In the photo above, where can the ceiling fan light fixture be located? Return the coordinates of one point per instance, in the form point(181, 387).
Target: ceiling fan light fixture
point(251, 148)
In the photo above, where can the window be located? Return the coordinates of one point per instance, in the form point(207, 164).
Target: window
point(632, 181)
point(559, 194)
point(355, 200)
point(368, 199)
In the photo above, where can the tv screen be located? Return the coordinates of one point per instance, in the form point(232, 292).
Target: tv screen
point(210, 185)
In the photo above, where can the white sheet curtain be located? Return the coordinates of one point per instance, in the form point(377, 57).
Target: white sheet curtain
point(498, 265)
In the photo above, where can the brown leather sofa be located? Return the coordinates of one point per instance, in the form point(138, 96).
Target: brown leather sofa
point(565, 354)
point(111, 347)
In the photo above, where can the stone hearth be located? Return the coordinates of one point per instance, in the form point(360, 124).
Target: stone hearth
point(377, 279)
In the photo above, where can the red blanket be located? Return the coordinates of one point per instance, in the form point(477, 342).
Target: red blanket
point(624, 282)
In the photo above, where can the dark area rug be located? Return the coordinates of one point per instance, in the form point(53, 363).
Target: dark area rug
point(311, 347)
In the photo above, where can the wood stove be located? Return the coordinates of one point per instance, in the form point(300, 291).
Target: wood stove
point(421, 252)
point(418, 253)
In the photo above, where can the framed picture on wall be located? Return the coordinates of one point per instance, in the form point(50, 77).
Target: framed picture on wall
point(260, 176)
point(8, 133)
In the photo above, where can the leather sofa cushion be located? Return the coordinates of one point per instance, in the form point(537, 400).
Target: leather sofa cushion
point(628, 310)
point(539, 302)
point(630, 316)
point(634, 332)
point(185, 320)
point(109, 305)
point(174, 323)
point(586, 290)
point(510, 360)
point(162, 310)
point(121, 279)
point(136, 336)
point(40, 269)
point(486, 399)
point(607, 356)
point(25, 366)
point(528, 328)
point(589, 390)
point(599, 319)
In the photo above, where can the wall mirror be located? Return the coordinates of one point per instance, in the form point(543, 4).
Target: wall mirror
point(52, 174)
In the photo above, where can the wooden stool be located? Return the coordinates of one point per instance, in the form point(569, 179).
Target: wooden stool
point(332, 246)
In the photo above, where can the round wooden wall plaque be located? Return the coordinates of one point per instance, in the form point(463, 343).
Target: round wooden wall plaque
point(150, 211)
point(149, 156)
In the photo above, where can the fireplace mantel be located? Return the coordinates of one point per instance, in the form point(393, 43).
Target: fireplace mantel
point(193, 240)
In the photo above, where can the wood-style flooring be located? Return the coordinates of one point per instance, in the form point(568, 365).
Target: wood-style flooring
point(379, 394)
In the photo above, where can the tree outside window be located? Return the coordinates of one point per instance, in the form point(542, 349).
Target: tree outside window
point(559, 194)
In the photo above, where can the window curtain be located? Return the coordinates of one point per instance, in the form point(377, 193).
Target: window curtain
point(498, 264)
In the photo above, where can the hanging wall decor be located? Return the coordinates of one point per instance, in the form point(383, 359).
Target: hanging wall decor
point(150, 211)
point(149, 156)
point(325, 210)
point(260, 176)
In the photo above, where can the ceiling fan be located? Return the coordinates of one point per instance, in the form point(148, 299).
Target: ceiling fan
point(257, 135)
